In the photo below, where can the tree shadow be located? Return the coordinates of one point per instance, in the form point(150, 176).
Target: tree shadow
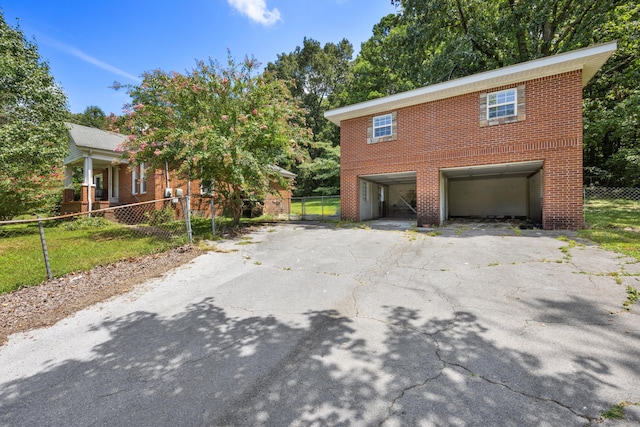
point(204, 367)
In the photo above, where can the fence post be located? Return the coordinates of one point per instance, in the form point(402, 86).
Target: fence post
point(188, 215)
point(322, 209)
point(302, 202)
point(44, 249)
point(213, 219)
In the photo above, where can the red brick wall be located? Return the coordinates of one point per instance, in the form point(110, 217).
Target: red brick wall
point(447, 133)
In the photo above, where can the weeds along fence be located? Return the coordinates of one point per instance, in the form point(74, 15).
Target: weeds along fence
point(36, 249)
point(315, 208)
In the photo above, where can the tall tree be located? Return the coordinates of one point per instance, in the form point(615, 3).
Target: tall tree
point(612, 106)
point(318, 76)
point(93, 116)
point(33, 137)
point(224, 126)
point(455, 38)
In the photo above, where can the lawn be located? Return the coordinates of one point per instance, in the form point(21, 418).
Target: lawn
point(615, 224)
point(90, 244)
point(22, 260)
point(323, 206)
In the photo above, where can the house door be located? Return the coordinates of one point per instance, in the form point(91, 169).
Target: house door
point(114, 184)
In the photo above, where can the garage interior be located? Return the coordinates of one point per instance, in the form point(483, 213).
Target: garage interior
point(496, 192)
point(500, 192)
point(391, 195)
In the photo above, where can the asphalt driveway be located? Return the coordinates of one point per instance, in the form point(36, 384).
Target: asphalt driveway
point(307, 324)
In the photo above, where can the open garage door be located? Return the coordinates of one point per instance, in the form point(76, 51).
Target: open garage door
point(390, 195)
point(509, 190)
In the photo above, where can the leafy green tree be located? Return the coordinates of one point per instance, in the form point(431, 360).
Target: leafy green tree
point(383, 67)
point(33, 137)
point(318, 76)
point(221, 125)
point(93, 116)
point(455, 38)
point(612, 106)
point(321, 175)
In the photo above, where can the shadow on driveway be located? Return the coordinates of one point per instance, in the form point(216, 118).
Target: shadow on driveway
point(203, 367)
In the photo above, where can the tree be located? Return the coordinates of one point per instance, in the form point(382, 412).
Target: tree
point(612, 106)
point(456, 38)
point(33, 137)
point(223, 126)
point(318, 76)
point(92, 116)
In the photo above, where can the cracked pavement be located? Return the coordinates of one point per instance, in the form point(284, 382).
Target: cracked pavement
point(315, 325)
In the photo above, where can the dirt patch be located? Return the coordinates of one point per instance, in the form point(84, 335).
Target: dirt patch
point(53, 300)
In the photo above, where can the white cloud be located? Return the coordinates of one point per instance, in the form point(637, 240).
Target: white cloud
point(89, 59)
point(256, 10)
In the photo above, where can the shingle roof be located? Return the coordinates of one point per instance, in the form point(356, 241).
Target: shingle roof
point(88, 137)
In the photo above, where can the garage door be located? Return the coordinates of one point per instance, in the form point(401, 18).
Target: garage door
point(511, 190)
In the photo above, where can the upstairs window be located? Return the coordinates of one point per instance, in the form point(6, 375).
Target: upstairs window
point(502, 104)
point(382, 126)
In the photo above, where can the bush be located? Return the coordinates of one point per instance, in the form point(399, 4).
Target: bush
point(161, 216)
point(86, 222)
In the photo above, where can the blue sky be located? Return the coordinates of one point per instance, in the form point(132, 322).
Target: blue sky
point(91, 44)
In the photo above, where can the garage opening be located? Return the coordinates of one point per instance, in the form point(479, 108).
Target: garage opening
point(498, 192)
point(391, 195)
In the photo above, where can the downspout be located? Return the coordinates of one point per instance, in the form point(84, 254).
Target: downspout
point(166, 174)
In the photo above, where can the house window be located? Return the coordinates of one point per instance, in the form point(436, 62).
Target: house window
point(364, 188)
point(143, 178)
point(502, 104)
point(206, 187)
point(382, 126)
point(134, 181)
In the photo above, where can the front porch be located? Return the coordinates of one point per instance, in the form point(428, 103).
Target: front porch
point(92, 170)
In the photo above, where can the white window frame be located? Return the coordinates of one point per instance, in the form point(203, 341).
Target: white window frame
point(143, 178)
point(387, 122)
point(497, 103)
point(134, 180)
point(206, 189)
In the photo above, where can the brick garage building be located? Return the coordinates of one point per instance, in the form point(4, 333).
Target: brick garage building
point(501, 144)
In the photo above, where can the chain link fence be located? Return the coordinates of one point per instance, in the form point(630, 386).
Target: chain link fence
point(612, 207)
point(612, 193)
point(315, 208)
point(33, 250)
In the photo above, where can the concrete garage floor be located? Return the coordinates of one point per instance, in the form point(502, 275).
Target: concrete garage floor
point(310, 324)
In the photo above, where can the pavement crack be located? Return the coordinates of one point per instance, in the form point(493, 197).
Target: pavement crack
point(520, 392)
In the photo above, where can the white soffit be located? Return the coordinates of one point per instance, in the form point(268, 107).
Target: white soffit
point(588, 59)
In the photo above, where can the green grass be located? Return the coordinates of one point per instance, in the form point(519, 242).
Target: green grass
point(82, 245)
point(314, 206)
point(615, 224)
point(22, 259)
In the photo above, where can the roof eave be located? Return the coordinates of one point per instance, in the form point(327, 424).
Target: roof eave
point(589, 60)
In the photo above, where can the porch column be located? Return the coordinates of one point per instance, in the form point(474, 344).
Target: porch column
point(88, 178)
point(68, 176)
